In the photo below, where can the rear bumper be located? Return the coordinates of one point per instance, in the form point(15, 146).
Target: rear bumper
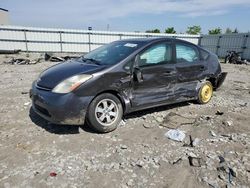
point(220, 79)
point(67, 109)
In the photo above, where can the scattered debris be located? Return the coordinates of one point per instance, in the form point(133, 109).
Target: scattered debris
point(176, 161)
point(192, 142)
point(140, 163)
point(195, 142)
point(159, 119)
point(50, 57)
point(195, 161)
point(53, 174)
point(222, 159)
point(212, 133)
point(228, 123)
point(235, 58)
point(19, 61)
point(27, 61)
point(122, 123)
point(243, 104)
point(219, 113)
point(148, 125)
point(124, 147)
point(22, 61)
point(175, 134)
point(24, 92)
point(233, 172)
point(27, 104)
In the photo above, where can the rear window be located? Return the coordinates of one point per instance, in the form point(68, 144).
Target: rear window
point(186, 53)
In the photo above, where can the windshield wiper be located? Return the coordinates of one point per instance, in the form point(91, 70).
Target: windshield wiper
point(91, 60)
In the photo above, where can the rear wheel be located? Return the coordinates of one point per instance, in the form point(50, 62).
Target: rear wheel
point(105, 113)
point(205, 92)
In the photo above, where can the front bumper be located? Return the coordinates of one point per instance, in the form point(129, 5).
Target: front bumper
point(67, 108)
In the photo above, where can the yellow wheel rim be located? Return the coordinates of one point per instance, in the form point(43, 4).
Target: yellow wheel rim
point(206, 93)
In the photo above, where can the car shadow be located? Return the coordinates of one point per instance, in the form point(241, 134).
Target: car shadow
point(69, 129)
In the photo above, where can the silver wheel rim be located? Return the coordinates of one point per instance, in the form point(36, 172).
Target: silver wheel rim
point(106, 112)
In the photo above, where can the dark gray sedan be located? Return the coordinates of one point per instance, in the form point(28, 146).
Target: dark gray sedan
point(125, 76)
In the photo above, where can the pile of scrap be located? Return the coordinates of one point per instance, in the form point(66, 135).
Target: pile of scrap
point(51, 57)
point(22, 61)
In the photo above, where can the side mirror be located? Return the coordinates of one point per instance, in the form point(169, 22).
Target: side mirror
point(137, 75)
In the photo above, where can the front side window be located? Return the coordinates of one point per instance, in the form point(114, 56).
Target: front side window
point(186, 54)
point(157, 54)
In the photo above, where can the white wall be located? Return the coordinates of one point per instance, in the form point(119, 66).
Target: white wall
point(68, 40)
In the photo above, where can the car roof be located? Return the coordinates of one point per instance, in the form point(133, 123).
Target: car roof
point(148, 39)
point(155, 39)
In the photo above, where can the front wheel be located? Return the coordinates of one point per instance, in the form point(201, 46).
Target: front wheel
point(205, 93)
point(105, 113)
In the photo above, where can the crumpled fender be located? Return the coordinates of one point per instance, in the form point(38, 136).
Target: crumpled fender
point(220, 79)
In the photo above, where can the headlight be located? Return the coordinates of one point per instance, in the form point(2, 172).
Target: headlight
point(71, 83)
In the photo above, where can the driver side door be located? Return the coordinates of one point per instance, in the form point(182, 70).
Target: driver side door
point(155, 76)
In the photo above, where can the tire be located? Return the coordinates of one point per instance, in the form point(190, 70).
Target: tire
point(105, 113)
point(205, 93)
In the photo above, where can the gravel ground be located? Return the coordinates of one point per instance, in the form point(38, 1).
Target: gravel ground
point(35, 153)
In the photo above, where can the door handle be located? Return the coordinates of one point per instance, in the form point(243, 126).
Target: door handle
point(202, 68)
point(168, 73)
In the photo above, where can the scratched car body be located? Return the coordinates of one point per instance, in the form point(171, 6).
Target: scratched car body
point(122, 77)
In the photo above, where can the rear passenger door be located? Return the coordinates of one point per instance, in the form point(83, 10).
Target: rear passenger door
point(190, 68)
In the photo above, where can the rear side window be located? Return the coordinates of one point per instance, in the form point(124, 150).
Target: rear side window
point(186, 54)
point(157, 54)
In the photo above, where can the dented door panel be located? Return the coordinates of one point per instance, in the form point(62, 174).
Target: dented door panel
point(157, 85)
point(189, 75)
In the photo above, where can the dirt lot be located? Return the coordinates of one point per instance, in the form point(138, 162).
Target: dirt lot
point(35, 153)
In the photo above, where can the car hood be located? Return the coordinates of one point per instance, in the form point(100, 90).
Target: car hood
point(57, 73)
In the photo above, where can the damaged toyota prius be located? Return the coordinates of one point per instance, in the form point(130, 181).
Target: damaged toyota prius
point(122, 77)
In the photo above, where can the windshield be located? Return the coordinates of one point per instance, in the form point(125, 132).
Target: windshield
point(114, 52)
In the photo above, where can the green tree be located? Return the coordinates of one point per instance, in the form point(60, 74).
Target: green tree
point(214, 31)
point(170, 30)
point(153, 31)
point(194, 30)
point(228, 31)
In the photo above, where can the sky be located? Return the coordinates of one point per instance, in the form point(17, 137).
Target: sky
point(130, 15)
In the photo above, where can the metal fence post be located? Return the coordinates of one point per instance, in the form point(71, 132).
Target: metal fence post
point(120, 36)
point(218, 45)
point(89, 41)
point(25, 39)
point(61, 47)
point(199, 40)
